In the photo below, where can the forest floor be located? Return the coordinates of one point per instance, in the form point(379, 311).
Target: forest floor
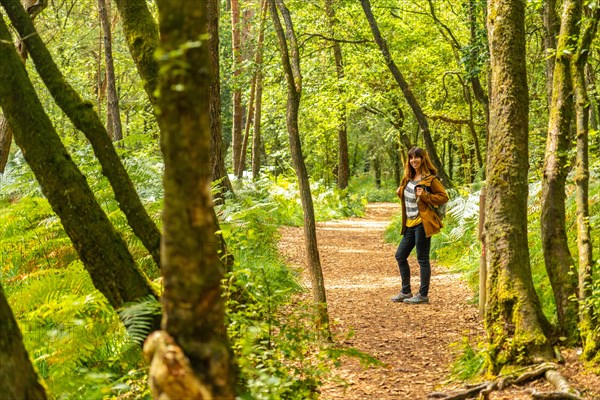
point(416, 344)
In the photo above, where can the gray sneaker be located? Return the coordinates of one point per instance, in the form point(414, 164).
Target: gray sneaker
point(417, 299)
point(401, 297)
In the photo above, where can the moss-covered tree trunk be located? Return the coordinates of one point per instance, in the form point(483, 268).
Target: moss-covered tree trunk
point(291, 65)
point(101, 249)
point(87, 121)
point(557, 256)
point(141, 34)
point(18, 379)
point(408, 94)
point(514, 322)
point(193, 308)
point(587, 323)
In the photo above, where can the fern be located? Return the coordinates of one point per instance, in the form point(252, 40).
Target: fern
point(139, 316)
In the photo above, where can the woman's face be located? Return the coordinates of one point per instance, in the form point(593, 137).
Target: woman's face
point(415, 162)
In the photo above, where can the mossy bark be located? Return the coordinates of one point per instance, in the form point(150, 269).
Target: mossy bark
point(193, 312)
point(514, 321)
point(587, 322)
point(141, 34)
point(102, 250)
point(557, 256)
point(18, 379)
point(291, 66)
point(87, 121)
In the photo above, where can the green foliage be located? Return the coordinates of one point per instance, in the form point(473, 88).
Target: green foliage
point(277, 202)
point(278, 348)
point(458, 244)
point(364, 186)
point(61, 313)
point(138, 318)
point(469, 362)
point(83, 349)
point(75, 338)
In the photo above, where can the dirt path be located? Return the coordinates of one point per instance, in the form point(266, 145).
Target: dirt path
point(412, 341)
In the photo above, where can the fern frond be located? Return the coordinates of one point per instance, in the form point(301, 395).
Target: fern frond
point(138, 317)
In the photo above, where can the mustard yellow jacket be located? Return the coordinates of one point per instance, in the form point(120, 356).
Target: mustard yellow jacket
point(435, 195)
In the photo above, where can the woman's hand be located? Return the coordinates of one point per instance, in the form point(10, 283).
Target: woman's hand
point(419, 190)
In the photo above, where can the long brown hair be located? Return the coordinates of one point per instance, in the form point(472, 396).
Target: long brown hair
point(427, 167)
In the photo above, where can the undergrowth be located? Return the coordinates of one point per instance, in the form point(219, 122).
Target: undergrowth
point(83, 349)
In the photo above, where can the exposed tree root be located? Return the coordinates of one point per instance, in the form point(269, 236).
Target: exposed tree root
point(548, 370)
point(554, 396)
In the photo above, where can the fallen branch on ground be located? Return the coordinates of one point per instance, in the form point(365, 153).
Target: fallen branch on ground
point(547, 370)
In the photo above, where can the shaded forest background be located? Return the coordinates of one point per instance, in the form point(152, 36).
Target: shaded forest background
point(86, 345)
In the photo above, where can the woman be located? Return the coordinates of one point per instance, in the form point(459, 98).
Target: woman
point(419, 191)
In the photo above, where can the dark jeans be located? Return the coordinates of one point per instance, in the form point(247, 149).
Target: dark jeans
point(414, 237)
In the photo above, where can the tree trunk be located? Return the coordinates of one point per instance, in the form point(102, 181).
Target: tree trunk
point(143, 48)
point(249, 117)
point(595, 97)
point(559, 263)
point(408, 94)
point(114, 116)
point(5, 141)
point(472, 131)
point(589, 334)
point(141, 34)
point(194, 312)
point(219, 173)
point(377, 170)
point(18, 379)
point(514, 320)
point(256, 134)
point(87, 121)
point(100, 88)
point(343, 167)
point(393, 150)
point(551, 29)
point(256, 139)
point(236, 43)
point(291, 65)
point(101, 249)
point(450, 159)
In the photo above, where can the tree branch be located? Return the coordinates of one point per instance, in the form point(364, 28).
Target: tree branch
point(331, 39)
